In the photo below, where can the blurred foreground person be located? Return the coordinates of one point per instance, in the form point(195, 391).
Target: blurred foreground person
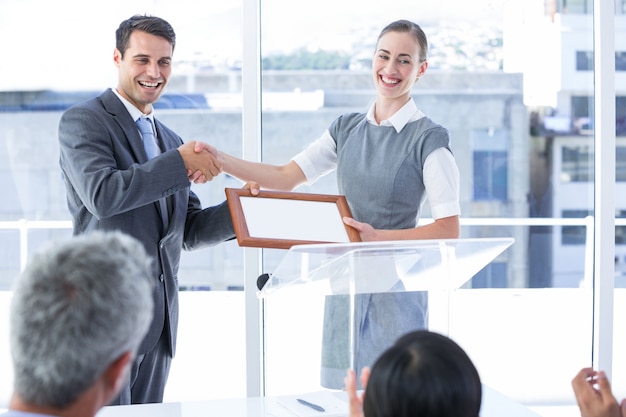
point(423, 374)
point(78, 314)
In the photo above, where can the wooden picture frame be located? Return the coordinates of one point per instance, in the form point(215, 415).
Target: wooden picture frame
point(279, 220)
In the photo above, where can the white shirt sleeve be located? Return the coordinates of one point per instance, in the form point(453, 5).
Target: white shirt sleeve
point(318, 159)
point(441, 179)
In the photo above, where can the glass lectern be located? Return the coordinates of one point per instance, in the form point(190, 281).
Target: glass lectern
point(294, 294)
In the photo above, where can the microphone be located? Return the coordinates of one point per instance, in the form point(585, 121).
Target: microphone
point(261, 280)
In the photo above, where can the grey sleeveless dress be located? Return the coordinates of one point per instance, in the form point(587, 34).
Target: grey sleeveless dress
point(379, 171)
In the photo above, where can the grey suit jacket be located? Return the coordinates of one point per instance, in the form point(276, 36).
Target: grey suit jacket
point(112, 185)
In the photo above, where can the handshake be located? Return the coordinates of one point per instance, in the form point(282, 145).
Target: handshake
point(203, 161)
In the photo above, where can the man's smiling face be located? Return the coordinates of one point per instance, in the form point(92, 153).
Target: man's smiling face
point(144, 69)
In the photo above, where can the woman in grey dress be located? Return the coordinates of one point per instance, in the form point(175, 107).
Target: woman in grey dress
point(388, 161)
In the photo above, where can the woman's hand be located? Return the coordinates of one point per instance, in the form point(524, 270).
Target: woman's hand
point(253, 187)
point(366, 231)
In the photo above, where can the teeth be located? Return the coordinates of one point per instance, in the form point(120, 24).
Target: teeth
point(389, 80)
point(146, 84)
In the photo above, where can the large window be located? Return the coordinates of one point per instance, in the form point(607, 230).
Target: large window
point(584, 61)
point(315, 65)
point(491, 165)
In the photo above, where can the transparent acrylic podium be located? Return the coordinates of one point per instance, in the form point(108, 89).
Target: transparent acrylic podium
point(320, 270)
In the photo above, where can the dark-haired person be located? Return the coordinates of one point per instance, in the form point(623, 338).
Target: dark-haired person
point(388, 161)
point(423, 374)
point(125, 170)
point(78, 314)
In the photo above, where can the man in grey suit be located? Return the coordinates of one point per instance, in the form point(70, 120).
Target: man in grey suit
point(112, 184)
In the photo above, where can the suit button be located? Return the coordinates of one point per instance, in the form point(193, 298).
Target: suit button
point(161, 278)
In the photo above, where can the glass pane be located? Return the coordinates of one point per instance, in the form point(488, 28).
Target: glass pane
point(521, 134)
point(201, 102)
point(619, 341)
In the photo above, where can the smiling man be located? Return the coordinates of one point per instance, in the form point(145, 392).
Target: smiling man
point(125, 170)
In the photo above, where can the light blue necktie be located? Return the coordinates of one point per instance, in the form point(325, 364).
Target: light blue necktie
point(152, 149)
point(149, 141)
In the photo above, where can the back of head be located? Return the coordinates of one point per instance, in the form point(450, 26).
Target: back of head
point(78, 306)
point(424, 374)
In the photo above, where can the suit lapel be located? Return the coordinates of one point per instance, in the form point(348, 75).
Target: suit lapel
point(167, 138)
point(169, 141)
point(115, 108)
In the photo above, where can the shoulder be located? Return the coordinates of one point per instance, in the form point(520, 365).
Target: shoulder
point(427, 136)
point(105, 102)
point(427, 129)
point(353, 117)
point(346, 122)
point(104, 115)
point(426, 124)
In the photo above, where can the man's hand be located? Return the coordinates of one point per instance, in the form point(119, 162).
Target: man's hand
point(201, 160)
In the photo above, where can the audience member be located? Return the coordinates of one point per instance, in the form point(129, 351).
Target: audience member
point(594, 395)
point(423, 374)
point(78, 314)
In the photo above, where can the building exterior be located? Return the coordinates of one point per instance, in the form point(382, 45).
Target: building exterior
point(484, 113)
point(559, 92)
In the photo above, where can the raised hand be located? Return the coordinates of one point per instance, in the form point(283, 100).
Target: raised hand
point(594, 395)
point(354, 397)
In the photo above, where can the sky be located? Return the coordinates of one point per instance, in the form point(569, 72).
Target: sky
point(69, 43)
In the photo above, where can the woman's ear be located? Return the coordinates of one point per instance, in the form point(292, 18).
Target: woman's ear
point(422, 70)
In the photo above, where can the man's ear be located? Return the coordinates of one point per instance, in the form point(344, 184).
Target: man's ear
point(117, 372)
point(117, 57)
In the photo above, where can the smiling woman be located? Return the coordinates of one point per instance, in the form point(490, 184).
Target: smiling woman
point(385, 193)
